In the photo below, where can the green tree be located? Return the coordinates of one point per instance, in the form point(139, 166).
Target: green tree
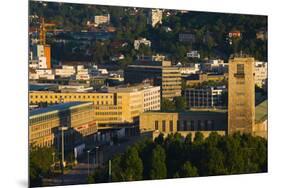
point(167, 105)
point(40, 161)
point(158, 163)
point(132, 165)
point(188, 170)
point(199, 138)
point(180, 103)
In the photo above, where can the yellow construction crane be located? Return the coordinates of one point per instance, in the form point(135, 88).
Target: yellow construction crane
point(43, 29)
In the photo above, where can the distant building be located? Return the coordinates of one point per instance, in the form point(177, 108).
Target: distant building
point(121, 104)
point(82, 73)
point(260, 74)
point(262, 35)
point(209, 97)
point(143, 41)
point(234, 34)
point(101, 19)
point(215, 65)
point(193, 54)
point(241, 95)
point(191, 68)
point(155, 17)
point(78, 117)
point(197, 79)
point(187, 37)
point(65, 71)
point(45, 74)
point(157, 72)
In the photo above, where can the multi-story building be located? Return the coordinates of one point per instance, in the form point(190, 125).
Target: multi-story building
point(208, 97)
point(193, 54)
point(143, 41)
point(102, 19)
point(77, 117)
point(184, 122)
point(155, 17)
point(260, 74)
point(157, 72)
point(65, 71)
point(241, 95)
point(115, 105)
point(197, 79)
point(46, 74)
point(215, 65)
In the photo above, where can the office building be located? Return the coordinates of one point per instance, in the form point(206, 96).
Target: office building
point(77, 117)
point(184, 122)
point(113, 105)
point(241, 95)
point(158, 73)
point(208, 97)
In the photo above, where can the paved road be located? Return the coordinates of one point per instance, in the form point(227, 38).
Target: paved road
point(79, 173)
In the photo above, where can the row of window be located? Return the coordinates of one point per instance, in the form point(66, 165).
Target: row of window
point(69, 96)
point(186, 125)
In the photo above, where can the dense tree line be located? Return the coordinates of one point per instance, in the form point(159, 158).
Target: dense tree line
point(178, 157)
point(210, 31)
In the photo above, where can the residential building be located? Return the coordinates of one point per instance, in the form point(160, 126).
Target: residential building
point(77, 117)
point(215, 65)
point(241, 95)
point(208, 97)
point(157, 72)
point(65, 71)
point(45, 74)
point(260, 74)
point(155, 17)
point(143, 41)
point(102, 19)
point(193, 54)
point(190, 68)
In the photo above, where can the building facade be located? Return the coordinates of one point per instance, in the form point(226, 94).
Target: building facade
point(115, 105)
point(158, 73)
point(241, 95)
point(260, 74)
point(166, 122)
point(155, 17)
point(44, 124)
point(209, 97)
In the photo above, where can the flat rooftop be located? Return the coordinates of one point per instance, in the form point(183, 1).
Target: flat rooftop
point(56, 108)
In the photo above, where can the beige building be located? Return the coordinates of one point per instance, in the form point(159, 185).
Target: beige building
point(115, 105)
point(241, 95)
point(167, 122)
point(78, 117)
point(158, 72)
point(155, 17)
point(260, 74)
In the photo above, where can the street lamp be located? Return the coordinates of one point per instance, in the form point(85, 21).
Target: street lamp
point(97, 147)
point(88, 162)
point(62, 129)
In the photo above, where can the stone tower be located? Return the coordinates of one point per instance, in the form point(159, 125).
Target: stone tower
point(241, 95)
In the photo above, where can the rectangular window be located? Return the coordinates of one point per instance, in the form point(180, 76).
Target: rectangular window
point(171, 126)
point(164, 126)
point(240, 68)
point(185, 125)
point(192, 125)
point(156, 125)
